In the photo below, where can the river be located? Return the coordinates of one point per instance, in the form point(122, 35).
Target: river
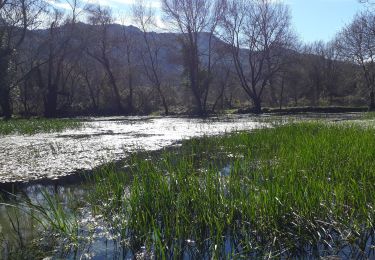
point(25, 158)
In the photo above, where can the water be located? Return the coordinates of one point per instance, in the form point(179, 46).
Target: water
point(58, 155)
point(101, 140)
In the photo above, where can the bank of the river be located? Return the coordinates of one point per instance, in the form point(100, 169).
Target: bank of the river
point(36, 125)
point(296, 190)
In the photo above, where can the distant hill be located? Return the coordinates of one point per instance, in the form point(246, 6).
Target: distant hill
point(87, 39)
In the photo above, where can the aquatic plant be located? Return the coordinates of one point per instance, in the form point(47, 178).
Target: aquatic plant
point(299, 189)
point(40, 227)
point(295, 190)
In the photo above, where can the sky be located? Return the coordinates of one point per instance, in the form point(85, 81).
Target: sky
point(313, 20)
point(322, 19)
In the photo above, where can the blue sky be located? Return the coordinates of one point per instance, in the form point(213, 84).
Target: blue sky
point(322, 19)
point(312, 19)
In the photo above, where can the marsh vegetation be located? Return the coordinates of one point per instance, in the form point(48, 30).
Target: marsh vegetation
point(203, 182)
point(37, 125)
point(310, 194)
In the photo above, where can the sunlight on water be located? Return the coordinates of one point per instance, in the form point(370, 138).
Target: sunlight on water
point(102, 140)
point(52, 155)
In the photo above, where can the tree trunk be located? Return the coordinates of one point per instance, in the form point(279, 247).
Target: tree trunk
point(219, 98)
point(192, 66)
point(273, 92)
point(131, 94)
point(257, 105)
point(372, 101)
point(25, 98)
point(50, 102)
point(164, 102)
point(194, 84)
point(50, 98)
point(5, 102)
point(195, 89)
point(114, 88)
point(199, 107)
point(282, 93)
point(94, 104)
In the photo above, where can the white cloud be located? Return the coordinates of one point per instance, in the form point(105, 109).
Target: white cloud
point(124, 3)
point(121, 9)
point(59, 5)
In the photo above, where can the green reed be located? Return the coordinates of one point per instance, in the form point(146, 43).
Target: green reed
point(290, 188)
point(295, 190)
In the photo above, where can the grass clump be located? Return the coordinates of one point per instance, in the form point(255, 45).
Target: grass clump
point(40, 227)
point(33, 126)
point(296, 190)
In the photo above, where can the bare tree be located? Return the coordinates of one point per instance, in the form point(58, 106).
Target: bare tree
point(195, 20)
point(356, 43)
point(370, 2)
point(49, 76)
point(315, 62)
point(16, 17)
point(101, 19)
point(60, 53)
point(144, 18)
point(332, 71)
point(76, 8)
point(2, 3)
point(92, 79)
point(26, 85)
point(260, 31)
point(127, 45)
point(223, 78)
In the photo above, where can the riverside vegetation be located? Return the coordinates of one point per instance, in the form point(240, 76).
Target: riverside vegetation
point(36, 125)
point(295, 190)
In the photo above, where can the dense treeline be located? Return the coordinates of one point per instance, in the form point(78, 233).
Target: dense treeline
point(64, 58)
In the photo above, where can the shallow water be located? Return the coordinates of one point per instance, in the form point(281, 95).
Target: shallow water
point(101, 140)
